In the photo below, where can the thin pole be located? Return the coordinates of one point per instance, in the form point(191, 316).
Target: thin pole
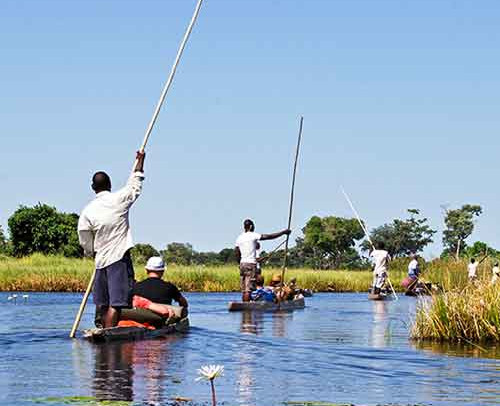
point(82, 306)
point(170, 77)
point(366, 234)
point(292, 194)
point(146, 138)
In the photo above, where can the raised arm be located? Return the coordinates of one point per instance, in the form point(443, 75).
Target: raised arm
point(133, 188)
point(273, 236)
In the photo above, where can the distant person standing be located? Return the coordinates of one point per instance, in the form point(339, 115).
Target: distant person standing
point(104, 232)
point(472, 269)
point(381, 260)
point(246, 253)
point(495, 273)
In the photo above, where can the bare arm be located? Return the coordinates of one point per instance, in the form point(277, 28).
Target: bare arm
point(273, 236)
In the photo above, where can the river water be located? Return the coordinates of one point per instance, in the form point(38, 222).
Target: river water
point(341, 349)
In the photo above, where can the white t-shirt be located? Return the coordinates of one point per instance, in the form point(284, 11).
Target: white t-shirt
point(381, 258)
point(472, 269)
point(496, 270)
point(247, 243)
point(413, 267)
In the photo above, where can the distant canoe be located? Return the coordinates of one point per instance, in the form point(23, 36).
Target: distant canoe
point(267, 306)
point(134, 333)
point(380, 296)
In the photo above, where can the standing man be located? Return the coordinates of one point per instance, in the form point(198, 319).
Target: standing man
point(246, 252)
point(381, 258)
point(104, 232)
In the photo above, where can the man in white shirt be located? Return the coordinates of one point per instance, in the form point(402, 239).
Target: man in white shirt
point(246, 252)
point(104, 232)
point(381, 258)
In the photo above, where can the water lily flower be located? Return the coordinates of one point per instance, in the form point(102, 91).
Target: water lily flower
point(210, 372)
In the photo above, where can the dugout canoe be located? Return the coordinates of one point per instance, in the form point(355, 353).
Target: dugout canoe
point(267, 306)
point(100, 335)
point(380, 296)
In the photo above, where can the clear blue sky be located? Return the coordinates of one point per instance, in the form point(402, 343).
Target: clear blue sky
point(400, 100)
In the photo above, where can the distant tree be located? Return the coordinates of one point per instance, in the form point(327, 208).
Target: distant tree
point(459, 226)
point(3, 242)
point(479, 249)
point(142, 252)
point(179, 253)
point(228, 256)
point(331, 240)
point(403, 237)
point(43, 229)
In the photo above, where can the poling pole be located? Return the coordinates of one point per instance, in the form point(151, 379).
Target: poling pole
point(292, 194)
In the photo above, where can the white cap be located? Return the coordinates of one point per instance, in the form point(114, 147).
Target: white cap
point(155, 264)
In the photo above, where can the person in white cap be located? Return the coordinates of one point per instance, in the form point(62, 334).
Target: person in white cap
point(154, 293)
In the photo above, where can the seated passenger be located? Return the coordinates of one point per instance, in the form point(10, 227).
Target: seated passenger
point(284, 292)
point(154, 293)
point(262, 293)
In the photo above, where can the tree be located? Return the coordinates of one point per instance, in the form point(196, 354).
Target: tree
point(142, 252)
point(459, 226)
point(228, 256)
point(43, 229)
point(3, 242)
point(331, 240)
point(403, 237)
point(480, 249)
point(179, 253)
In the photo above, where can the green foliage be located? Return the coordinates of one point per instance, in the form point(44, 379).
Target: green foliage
point(331, 240)
point(142, 252)
point(179, 253)
point(3, 242)
point(459, 226)
point(43, 229)
point(479, 249)
point(403, 237)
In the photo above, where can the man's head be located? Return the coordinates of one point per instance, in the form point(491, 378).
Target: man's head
point(101, 182)
point(155, 267)
point(259, 280)
point(381, 245)
point(414, 255)
point(473, 260)
point(248, 225)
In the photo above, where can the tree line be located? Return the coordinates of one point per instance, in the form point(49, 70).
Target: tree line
point(329, 242)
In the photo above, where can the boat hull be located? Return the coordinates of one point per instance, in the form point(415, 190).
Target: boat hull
point(267, 306)
point(99, 335)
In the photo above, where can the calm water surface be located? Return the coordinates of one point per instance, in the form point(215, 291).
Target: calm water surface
point(341, 348)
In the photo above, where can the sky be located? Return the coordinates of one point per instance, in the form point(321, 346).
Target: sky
point(400, 100)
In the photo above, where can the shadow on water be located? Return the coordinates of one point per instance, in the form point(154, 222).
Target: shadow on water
point(486, 350)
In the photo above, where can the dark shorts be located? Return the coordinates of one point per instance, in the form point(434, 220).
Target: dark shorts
point(114, 283)
point(247, 277)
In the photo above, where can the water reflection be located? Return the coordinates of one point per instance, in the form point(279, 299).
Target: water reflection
point(113, 372)
point(379, 325)
point(487, 350)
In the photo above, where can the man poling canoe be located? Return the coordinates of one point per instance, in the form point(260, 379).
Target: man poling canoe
point(381, 260)
point(104, 233)
point(246, 253)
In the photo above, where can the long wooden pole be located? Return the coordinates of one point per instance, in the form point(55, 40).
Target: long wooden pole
point(292, 194)
point(366, 234)
point(149, 129)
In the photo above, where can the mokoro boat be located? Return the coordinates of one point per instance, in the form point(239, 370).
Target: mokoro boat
point(267, 306)
point(134, 333)
point(383, 295)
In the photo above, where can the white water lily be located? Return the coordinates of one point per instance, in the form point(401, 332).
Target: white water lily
point(210, 372)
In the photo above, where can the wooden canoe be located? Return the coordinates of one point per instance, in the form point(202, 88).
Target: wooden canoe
point(267, 306)
point(380, 296)
point(134, 333)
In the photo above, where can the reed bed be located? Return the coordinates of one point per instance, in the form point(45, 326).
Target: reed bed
point(60, 274)
point(471, 314)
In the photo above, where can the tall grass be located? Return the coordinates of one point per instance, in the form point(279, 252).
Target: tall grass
point(56, 273)
point(471, 314)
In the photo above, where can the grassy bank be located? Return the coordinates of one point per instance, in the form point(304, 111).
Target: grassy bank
point(59, 274)
point(471, 314)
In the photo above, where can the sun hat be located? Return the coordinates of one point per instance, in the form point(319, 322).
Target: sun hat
point(155, 264)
